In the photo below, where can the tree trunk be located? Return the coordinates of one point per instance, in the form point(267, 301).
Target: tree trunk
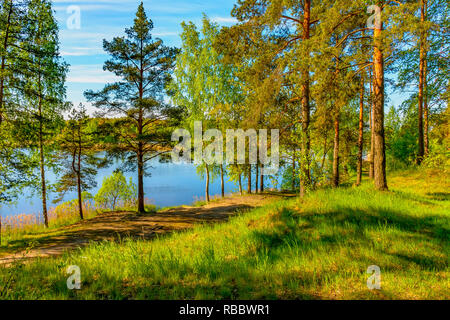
point(361, 134)
point(140, 153)
point(140, 158)
point(422, 87)
point(372, 134)
point(336, 151)
point(293, 172)
point(3, 63)
point(240, 184)
point(378, 115)
point(261, 188)
point(207, 184)
point(305, 180)
point(256, 178)
point(80, 200)
point(41, 156)
point(325, 151)
point(425, 110)
point(221, 181)
point(249, 173)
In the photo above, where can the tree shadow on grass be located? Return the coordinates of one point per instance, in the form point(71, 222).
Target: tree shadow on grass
point(439, 196)
point(290, 231)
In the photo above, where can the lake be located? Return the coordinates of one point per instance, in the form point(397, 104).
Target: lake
point(169, 185)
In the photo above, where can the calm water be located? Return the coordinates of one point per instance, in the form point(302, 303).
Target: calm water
point(169, 185)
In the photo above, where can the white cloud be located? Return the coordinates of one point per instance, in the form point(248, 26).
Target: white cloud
point(224, 20)
point(90, 74)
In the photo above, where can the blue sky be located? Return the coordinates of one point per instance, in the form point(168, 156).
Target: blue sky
point(105, 19)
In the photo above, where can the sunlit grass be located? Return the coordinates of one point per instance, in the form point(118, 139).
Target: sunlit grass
point(315, 248)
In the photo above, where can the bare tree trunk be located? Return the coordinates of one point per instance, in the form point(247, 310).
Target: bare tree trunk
point(140, 158)
point(249, 186)
point(256, 178)
point(207, 183)
point(306, 143)
point(361, 134)
point(80, 200)
point(221, 181)
point(336, 150)
point(240, 184)
point(261, 188)
point(378, 115)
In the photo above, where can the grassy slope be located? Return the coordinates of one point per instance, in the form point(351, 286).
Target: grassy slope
point(316, 248)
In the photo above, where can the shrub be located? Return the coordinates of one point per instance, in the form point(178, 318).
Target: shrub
point(116, 192)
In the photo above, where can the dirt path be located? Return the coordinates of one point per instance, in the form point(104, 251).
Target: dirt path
point(113, 226)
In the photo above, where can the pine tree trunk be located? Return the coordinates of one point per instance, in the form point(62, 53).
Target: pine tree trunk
point(207, 184)
point(426, 110)
point(140, 158)
point(240, 184)
point(378, 115)
point(336, 151)
point(261, 188)
point(372, 134)
point(222, 181)
point(140, 153)
point(80, 200)
point(306, 143)
point(361, 134)
point(256, 178)
point(249, 173)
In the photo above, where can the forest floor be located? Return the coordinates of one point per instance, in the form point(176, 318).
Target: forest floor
point(113, 226)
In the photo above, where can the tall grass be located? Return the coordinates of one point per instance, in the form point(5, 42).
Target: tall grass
point(14, 227)
point(318, 247)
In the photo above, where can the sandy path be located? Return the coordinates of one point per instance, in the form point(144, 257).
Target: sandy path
point(116, 225)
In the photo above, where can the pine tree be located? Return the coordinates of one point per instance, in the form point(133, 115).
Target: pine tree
point(144, 65)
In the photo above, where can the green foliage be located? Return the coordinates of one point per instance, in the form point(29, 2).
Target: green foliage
point(116, 192)
point(401, 137)
point(78, 157)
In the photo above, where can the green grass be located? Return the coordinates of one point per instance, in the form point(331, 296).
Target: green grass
point(315, 248)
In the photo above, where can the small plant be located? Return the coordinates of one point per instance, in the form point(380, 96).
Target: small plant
point(116, 192)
